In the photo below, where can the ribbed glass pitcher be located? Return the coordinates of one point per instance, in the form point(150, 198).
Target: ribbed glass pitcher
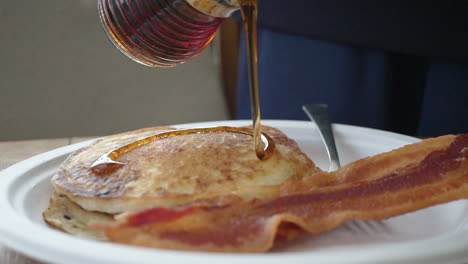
point(163, 33)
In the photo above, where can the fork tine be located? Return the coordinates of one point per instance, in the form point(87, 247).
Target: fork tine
point(367, 227)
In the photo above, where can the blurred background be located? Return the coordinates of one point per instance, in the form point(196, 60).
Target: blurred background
point(60, 76)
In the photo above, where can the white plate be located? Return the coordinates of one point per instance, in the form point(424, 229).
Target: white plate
point(435, 235)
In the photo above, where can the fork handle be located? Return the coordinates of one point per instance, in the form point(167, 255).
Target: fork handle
point(319, 114)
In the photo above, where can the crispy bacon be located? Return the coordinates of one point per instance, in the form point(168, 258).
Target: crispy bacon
point(410, 178)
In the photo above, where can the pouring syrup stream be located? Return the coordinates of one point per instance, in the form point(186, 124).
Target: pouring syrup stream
point(249, 12)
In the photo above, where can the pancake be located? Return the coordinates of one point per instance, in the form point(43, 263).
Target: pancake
point(67, 216)
point(179, 169)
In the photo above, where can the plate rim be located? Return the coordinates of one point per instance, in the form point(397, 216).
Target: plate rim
point(55, 251)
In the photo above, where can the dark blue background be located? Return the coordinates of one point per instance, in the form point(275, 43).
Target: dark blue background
point(394, 83)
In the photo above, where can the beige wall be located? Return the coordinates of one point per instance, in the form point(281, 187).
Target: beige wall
point(60, 76)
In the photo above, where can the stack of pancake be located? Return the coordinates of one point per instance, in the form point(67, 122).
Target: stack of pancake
point(204, 168)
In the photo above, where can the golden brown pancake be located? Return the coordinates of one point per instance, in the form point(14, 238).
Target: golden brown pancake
point(179, 169)
point(67, 216)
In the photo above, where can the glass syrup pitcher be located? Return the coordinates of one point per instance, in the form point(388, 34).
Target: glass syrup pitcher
point(163, 33)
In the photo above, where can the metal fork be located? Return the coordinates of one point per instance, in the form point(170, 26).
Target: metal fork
point(318, 113)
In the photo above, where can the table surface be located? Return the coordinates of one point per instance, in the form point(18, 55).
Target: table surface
point(12, 152)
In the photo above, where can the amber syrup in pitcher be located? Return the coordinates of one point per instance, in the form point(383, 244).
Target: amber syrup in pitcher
point(161, 33)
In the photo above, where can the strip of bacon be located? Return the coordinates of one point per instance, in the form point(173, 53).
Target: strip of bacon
point(410, 178)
